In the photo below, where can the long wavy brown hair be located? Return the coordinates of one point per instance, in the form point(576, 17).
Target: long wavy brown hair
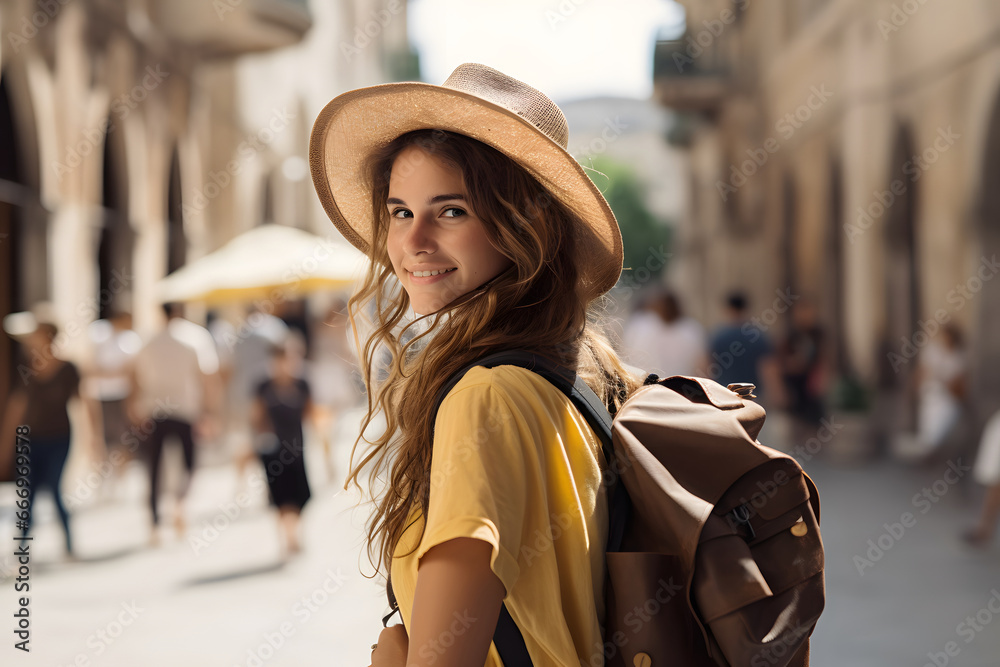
point(534, 305)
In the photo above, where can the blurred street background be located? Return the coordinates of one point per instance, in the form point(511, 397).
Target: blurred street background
point(809, 197)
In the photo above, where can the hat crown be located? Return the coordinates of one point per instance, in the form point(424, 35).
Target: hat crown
point(513, 95)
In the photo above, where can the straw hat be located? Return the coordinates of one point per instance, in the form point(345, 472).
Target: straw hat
point(478, 102)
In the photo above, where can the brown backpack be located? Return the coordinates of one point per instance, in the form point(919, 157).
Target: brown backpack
point(714, 555)
point(728, 526)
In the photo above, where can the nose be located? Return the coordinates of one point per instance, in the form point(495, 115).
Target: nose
point(419, 237)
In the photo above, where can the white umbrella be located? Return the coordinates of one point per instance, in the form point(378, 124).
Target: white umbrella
point(265, 261)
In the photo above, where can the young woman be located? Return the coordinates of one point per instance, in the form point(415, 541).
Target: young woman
point(477, 219)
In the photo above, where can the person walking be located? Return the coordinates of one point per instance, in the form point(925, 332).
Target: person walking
point(50, 383)
point(175, 380)
point(484, 235)
point(986, 471)
point(108, 383)
point(742, 352)
point(333, 372)
point(660, 339)
point(282, 402)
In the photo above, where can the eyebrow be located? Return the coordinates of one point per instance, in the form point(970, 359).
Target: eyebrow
point(436, 199)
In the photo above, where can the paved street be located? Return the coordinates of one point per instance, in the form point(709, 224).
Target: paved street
point(916, 597)
point(228, 600)
point(232, 603)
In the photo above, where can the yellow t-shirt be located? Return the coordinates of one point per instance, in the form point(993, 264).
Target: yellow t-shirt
point(515, 464)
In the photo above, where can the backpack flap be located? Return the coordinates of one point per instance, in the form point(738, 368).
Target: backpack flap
point(758, 581)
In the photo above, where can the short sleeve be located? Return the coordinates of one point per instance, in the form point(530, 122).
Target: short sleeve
point(479, 470)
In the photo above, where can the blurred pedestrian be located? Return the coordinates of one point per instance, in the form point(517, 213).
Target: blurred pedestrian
point(282, 403)
point(742, 352)
point(986, 471)
point(803, 361)
point(660, 339)
point(108, 382)
point(175, 379)
point(941, 382)
point(333, 376)
point(255, 338)
point(42, 404)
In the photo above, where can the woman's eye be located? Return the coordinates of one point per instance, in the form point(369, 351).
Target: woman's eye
point(453, 212)
point(401, 213)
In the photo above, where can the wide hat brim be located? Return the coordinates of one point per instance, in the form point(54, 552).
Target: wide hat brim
point(358, 122)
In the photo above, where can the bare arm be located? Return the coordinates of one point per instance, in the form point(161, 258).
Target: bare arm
point(455, 606)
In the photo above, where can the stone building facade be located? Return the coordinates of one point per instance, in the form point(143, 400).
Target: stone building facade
point(138, 135)
point(849, 151)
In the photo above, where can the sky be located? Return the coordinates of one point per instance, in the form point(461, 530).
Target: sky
point(568, 49)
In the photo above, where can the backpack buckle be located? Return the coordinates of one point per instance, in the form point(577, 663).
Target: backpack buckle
point(743, 389)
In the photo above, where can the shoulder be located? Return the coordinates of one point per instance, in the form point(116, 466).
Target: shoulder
point(505, 380)
point(510, 389)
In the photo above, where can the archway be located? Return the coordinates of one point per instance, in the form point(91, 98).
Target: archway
point(176, 239)
point(23, 228)
point(789, 202)
point(902, 281)
point(834, 307)
point(114, 254)
point(986, 341)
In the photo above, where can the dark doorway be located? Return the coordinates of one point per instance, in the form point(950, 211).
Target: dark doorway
point(834, 308)
point(986, 338)
point(176, 239)
point(902, 281)
point(23, 224)
point(114, 254)
point(789, 205)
